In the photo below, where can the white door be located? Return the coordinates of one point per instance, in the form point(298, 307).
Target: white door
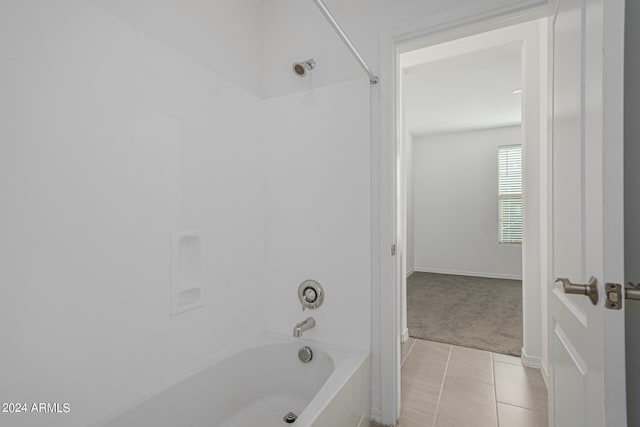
point(586, 340)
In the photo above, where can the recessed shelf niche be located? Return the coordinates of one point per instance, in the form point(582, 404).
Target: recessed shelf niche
point(186, 271)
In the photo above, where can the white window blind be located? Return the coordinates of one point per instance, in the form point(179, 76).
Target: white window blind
point(510, 193)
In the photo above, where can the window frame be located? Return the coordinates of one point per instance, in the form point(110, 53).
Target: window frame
point(510, 196)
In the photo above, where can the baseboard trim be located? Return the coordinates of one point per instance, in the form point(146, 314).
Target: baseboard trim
point(531, 361)
point(468, 273)
point(376, 415)
point(545, 374)
point(405, 336)
point(409, 273)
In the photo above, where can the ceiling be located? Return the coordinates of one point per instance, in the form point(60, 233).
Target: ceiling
point(473, 90)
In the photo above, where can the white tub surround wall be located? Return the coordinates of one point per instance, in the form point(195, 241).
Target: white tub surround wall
point(319, 210)
point(351, 405)
point(296, 30)
point(112, 139)
point(455, 201)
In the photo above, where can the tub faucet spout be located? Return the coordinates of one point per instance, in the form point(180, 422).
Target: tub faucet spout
point(305, 325)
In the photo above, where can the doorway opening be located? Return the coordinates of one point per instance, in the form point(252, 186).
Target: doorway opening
point(460, 192)
point(470, 129)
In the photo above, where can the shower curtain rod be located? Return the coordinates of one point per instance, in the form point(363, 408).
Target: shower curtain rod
point(327, 14)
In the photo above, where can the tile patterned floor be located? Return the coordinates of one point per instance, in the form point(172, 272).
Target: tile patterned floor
point(449, 386)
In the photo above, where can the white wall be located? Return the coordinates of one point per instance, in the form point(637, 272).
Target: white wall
point(110, 140)
point(409, 172)
point(456, 204)
point(319, 210)
point(224, 36)
point(632, 205)
point(405, 223)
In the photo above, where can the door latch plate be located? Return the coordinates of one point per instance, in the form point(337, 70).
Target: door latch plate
point(613, 296)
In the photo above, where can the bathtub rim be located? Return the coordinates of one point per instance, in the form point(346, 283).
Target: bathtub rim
point(346, 361)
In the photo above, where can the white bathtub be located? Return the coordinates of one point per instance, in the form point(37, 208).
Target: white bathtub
point(257, 383)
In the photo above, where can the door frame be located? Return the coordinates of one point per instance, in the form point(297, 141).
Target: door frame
point(531, 35)
point(386, 310)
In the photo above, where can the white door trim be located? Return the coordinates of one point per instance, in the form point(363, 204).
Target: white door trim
point(613, 124)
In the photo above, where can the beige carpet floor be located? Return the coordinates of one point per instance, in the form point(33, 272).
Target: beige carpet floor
point(467, 311)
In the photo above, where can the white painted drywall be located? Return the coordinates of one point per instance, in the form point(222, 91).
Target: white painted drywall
point(535, 167)
point(224, 36)
point(405, 221)
point(456, 204)
point(408, 165)
point(632, 205)
point(538, 224)
point(111, 139)
point(466, 100)
point(319, 225)
point(401, 253)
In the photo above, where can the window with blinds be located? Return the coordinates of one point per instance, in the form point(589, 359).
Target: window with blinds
point(510, 193)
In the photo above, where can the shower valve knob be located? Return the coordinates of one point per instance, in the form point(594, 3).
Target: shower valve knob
point(310, 294)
